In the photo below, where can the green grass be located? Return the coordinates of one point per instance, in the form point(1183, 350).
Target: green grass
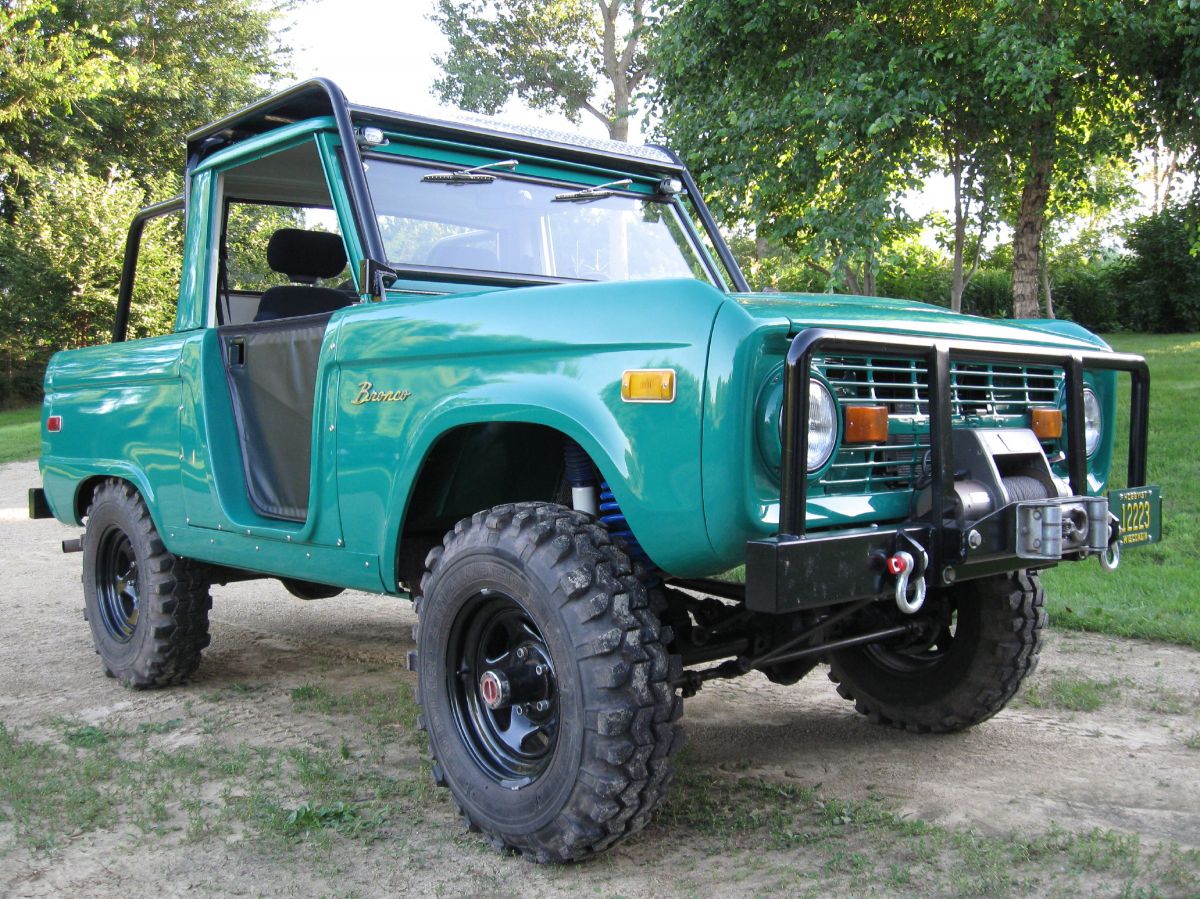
point(97, 778)
point(854, 847)
point(1153, 593)
point(795, 840)
point(383, 710)
point(20, 434)
point(1072, 692)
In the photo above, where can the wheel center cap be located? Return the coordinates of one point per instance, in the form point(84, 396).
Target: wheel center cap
point(494, 689)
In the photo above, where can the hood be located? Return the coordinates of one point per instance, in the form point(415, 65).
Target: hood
point(825, 310)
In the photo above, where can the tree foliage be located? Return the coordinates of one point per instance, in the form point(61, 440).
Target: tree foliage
point(62, 257)
point(771, 105)
point(569, 56)
point(95, 98)
point(47, 67)
point(817, 118)
point(1160, 280)
point(117, 83)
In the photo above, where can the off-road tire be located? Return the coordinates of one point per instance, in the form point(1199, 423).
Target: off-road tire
point(611, 765)
point(173, 602)
point(996, 646)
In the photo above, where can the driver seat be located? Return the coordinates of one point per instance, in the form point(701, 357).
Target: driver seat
point(304, 256)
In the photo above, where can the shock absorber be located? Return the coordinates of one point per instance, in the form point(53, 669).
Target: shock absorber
point(581, 477)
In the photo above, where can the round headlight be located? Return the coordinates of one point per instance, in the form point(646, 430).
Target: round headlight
point(822, 424)
point(1093, 421)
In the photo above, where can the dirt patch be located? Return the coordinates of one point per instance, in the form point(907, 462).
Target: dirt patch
point(289, 765)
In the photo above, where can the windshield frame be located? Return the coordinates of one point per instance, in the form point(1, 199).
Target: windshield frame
point(689, 242)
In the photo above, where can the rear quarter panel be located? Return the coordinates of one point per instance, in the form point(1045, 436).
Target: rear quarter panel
point(120, 411)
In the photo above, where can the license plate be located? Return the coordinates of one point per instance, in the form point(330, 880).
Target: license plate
point(1139, 511)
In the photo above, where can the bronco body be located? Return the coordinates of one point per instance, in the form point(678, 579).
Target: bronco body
point(520, 379)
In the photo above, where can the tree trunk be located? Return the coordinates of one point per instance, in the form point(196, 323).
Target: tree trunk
point(761, 248)
point(1028, 236)
point(852, 282)
point(869, 273)
point(617, 71)
point(960, 237)
point(1046, 286)
point(618, 128)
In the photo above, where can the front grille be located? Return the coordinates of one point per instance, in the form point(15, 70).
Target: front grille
point(983, 388)
point(983, 394)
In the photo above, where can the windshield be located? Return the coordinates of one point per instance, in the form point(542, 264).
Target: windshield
point(515, 226)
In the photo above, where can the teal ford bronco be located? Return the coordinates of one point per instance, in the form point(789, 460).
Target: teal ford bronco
point(519, 379)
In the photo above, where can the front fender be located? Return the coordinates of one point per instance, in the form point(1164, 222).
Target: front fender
point(550, 356)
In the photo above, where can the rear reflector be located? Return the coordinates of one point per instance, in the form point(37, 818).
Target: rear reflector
point(1046, 423)
point(866, 424)
point(54, 424)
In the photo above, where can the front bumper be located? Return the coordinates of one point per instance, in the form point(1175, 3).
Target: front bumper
point(793, 570)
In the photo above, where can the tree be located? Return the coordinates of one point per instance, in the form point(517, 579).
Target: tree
point(47, 68)
point(1159, 282)
point(820, 116)
point(1161, 49)
point(770, 105)
point(192, 62)
point(95, 97)
point(62, 261)
point(1067, 106)
point(118, 82)
point(553, 54)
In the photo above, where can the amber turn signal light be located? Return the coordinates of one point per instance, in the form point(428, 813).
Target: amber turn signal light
point(866, 424)
point(653, 385)
point(1046, 423)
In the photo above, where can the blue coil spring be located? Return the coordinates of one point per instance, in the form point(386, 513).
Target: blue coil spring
point(614, 519)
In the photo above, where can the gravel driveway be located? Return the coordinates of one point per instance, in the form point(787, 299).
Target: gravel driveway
point(282, 675)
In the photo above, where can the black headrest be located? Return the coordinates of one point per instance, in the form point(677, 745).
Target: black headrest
point(305, 254)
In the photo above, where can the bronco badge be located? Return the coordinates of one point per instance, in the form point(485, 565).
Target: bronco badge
point(366, 394)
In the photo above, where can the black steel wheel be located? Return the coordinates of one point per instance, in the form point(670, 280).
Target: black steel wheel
point(117, 585)
point(982, 641)
point(512, 738)
point(544, 684)
point(147, 608)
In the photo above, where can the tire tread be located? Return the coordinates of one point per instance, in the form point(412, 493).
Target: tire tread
point(1014, 617)
point(631, 708)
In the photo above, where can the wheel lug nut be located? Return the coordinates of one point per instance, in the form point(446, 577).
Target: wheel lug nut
point(520, 652)
point(519, 709)
point(542, 705)
point(539, 670)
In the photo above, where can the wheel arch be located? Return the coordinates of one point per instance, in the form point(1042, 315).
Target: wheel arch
point(442, 490)
point(86, 488)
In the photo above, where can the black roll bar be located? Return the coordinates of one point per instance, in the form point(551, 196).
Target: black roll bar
point(133, 244)
point(937, 354)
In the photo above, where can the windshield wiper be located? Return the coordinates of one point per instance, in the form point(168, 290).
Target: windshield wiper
point(593, 193)
point(477, 175)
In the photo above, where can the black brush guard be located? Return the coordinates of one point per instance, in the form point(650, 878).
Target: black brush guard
point(792, 571)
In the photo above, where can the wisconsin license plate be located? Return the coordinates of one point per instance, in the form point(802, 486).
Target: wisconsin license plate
point(1139, 510)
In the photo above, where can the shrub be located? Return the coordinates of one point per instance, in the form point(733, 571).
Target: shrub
point(1159, 283)
point(1087, 293)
